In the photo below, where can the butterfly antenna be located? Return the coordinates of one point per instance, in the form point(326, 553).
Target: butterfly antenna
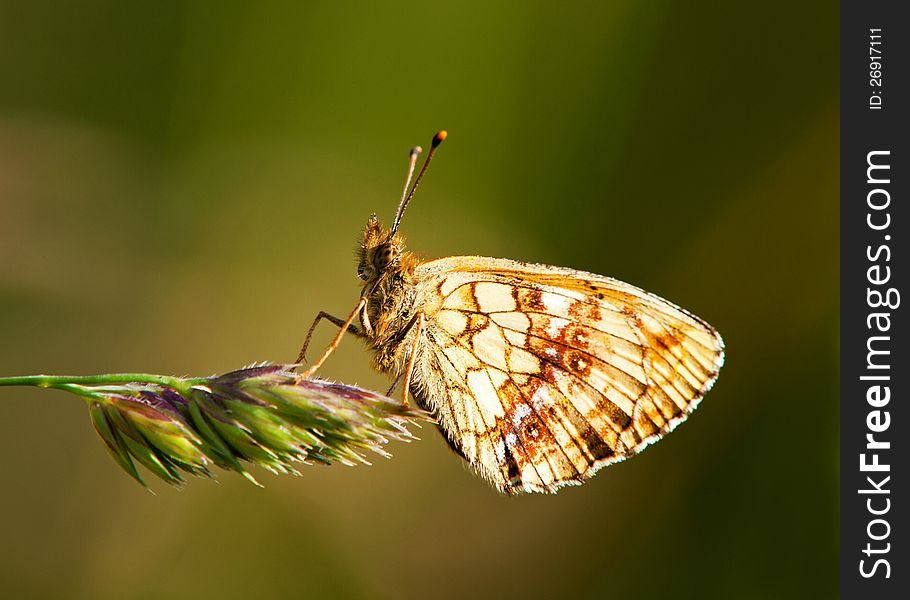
point(406, 196)
point(412, 163)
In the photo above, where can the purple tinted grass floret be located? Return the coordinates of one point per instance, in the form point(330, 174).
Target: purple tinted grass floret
point(263, 415)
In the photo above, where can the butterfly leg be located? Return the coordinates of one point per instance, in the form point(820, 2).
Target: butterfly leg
point(352, 329)
point(409, 371)
point(394, 385)
point(344, 327)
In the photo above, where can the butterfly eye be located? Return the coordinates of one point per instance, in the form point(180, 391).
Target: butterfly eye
point(384, 256)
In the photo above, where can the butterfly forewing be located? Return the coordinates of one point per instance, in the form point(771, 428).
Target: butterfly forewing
point(540, 375)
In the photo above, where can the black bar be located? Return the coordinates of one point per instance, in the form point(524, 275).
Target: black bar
point(875, 370)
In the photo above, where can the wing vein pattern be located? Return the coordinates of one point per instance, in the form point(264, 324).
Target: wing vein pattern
point(539, 376)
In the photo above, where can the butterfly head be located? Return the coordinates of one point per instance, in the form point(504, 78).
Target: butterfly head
point(380, 251)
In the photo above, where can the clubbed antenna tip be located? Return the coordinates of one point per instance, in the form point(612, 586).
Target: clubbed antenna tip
point(407, 195)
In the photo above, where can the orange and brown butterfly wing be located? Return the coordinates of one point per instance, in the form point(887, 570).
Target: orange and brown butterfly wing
point(539, 376)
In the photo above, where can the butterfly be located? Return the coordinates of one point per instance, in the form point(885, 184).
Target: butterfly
point(538, 376)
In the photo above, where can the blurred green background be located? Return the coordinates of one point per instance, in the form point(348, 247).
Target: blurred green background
point(181, 189)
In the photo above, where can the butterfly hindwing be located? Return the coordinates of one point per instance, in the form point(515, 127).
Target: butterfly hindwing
point(539, 375)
